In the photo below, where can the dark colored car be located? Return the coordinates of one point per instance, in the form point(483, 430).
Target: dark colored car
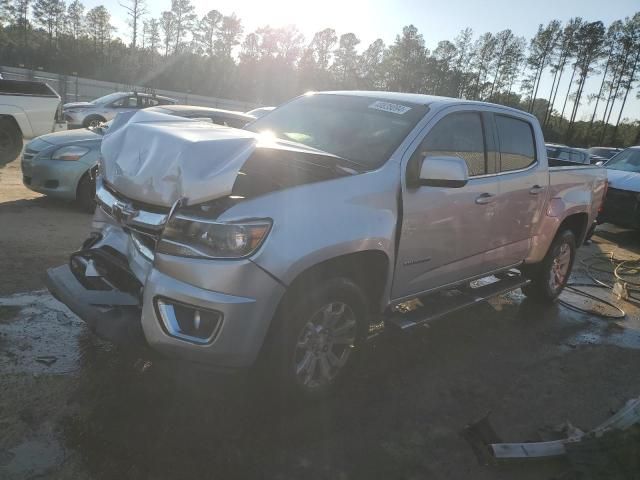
point(622, 204)
point(559, 154)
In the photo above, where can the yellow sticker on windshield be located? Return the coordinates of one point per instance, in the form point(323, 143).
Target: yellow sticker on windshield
point(390, 107)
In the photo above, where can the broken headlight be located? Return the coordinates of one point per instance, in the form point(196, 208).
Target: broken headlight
point(202, 238)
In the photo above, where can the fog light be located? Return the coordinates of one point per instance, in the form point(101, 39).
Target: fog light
point(187, 322)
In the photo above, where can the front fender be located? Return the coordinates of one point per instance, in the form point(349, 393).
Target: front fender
point(320, 221)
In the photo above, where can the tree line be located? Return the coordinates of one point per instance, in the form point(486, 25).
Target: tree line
point(212, 56)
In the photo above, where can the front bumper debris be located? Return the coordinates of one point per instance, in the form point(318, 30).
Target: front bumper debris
point(97, 289)
point(490, 450)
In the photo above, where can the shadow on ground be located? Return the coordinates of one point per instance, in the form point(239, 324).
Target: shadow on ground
point(92, 414)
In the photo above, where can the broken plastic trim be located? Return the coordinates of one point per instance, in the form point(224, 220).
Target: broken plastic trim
point(489, 450)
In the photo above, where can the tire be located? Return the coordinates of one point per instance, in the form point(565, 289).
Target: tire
point(86, 193)
point(549, 277)
point(10, 141)
point(306, 360)
point(93, 121)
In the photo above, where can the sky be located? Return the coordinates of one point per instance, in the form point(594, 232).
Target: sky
point(436, 20)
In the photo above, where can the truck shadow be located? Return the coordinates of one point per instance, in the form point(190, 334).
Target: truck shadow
point(408, 394)
point(53, 204)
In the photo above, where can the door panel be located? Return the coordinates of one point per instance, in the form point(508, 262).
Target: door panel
point(446, 231)
point(522, 189)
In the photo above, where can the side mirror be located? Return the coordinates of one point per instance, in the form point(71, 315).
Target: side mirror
point(451, 172)
point(600, 163)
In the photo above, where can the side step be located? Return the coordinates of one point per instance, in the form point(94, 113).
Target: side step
point(443, 303)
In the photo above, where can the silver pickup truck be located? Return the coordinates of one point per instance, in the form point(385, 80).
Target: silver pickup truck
point(289, 244)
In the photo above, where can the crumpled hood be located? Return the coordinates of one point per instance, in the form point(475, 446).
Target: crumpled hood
point(77, 105)
point(622, 180)
point(158, 159)
point(70, 136)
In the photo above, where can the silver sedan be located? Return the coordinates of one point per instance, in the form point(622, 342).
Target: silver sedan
point(103, 109)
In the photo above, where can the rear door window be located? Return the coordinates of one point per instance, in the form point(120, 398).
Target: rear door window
point(457, 135)
point(517, 144)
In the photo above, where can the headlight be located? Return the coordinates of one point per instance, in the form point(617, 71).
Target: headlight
point(70, 153)
point(201, 238)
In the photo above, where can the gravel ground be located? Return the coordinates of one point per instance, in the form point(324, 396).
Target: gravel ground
point(72, 407)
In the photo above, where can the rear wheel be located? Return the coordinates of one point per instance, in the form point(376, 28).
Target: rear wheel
point(549, 277)
point(317, 338)
point(86, 193)
point(93, 121)
point(10, 141)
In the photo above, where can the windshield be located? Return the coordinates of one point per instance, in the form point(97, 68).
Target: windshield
point(627, 160)
point(112, 97)
point(363, 130)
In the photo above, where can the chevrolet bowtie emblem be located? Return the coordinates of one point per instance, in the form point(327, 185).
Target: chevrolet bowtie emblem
point(123, 212)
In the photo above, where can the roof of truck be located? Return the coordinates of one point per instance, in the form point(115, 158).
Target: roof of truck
point(417, 98)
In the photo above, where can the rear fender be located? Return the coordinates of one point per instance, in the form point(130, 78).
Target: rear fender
point(556, 213)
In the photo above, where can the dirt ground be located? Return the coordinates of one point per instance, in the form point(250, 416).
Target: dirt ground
point(35, 232)
point(73, 407)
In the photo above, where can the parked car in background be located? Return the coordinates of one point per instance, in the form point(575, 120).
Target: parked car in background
point(103, 109)
point(59, 164)
point(559, 155)
point(622, 204)
point(604, 153)
point(218, 116)
point(261, 111)
point(287, 245)
point(27, 110)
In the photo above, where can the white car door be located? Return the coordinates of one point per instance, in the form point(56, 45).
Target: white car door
point(447, 231)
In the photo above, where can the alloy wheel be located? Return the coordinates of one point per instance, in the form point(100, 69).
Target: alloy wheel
point(324, 345)
point(560, 267)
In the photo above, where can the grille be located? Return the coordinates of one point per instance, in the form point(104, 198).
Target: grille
point(144, 226)
point(621, 207)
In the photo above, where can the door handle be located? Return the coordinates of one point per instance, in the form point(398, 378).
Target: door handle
point(536, 189)
point(485, 199)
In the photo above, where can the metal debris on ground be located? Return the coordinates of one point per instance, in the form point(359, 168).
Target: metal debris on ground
point(47, 360)
point(491, 450)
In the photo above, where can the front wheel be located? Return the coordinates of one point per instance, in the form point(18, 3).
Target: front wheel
point(549, 277)
point(318, 336)
point(10, 141)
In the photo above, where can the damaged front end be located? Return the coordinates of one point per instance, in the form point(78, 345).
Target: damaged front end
point(98, 286)
point(161, 268)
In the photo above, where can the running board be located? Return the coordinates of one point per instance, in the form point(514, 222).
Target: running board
point(439, 304)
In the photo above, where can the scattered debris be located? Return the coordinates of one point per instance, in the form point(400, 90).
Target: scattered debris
point(141, 366)
point(489, 448)
point(47, 360)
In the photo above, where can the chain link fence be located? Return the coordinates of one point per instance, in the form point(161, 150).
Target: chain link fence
point(78, 89)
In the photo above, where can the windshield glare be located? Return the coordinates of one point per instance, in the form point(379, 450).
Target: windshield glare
point(628, 161)
point(363, 130)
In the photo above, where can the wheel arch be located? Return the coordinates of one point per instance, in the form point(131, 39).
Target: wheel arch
point(367, 268)
point(577, 223)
